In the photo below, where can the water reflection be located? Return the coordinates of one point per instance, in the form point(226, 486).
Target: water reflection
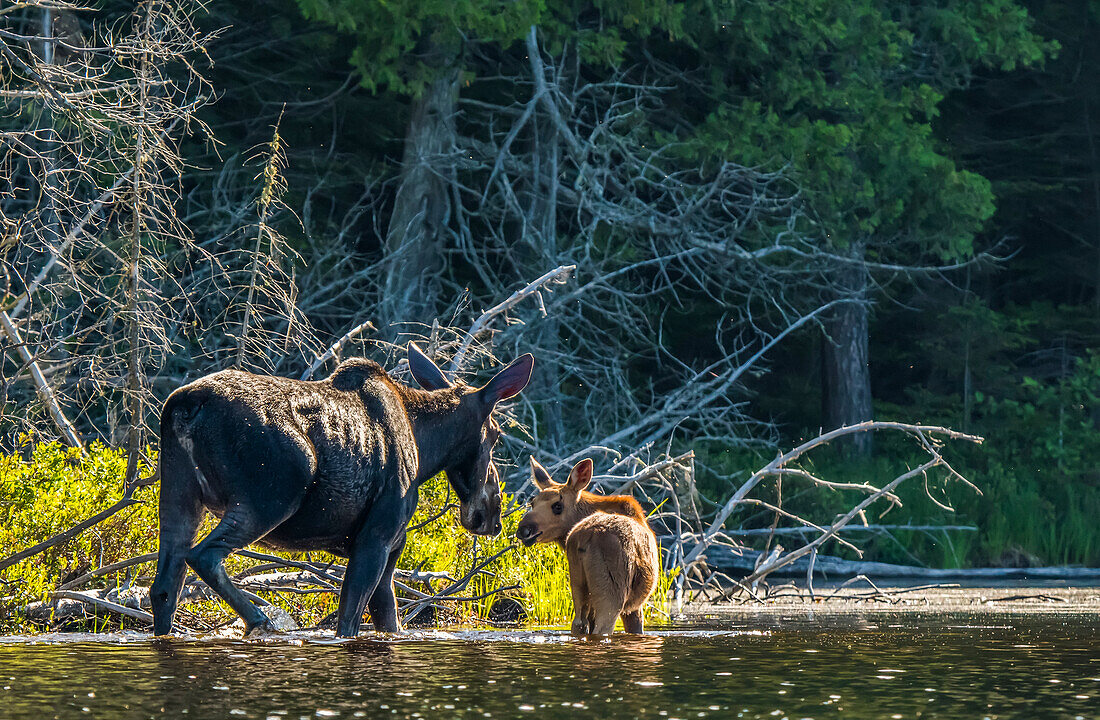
point(880, 667)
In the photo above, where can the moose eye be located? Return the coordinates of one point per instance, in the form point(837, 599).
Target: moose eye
point(557, 508)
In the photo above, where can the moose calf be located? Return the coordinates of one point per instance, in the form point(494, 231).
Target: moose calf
point(612, 552)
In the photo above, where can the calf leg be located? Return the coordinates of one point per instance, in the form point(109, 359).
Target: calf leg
point(607, 569)
point(578, 585)
point(607, 612)
point(383, 603)
point(632, 621)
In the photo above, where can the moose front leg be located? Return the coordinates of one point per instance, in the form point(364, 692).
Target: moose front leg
point(369, 562)
point(383, 603)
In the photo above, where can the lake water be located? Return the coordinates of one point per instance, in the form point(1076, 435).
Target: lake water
point(879, 665)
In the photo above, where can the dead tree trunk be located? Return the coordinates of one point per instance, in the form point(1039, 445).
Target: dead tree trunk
point(542, 241)
point(422, 208)
point(51, 191)
point(135, 373)
point(846, 377)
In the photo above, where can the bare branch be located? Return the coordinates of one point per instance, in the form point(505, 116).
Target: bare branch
point(44, 388)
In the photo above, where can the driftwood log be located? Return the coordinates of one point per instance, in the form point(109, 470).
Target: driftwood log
point(734, 562)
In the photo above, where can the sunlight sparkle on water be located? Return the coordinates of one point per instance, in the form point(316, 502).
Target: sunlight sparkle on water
point(948, 670)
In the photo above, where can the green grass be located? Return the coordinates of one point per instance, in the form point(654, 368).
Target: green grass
point(50, 491)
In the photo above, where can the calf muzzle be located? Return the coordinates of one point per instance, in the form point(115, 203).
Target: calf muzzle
point(527, 533)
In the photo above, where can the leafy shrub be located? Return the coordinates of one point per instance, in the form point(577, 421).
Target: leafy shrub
point(51, 490)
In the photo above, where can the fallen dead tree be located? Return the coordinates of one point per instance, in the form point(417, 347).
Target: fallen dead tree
point(743, 561)
point(688, 553)
point(418, 590)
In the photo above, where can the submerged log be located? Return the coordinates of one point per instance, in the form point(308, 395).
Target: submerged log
point(732, 562)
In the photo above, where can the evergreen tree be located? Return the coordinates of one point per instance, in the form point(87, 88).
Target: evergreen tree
point(844, 95)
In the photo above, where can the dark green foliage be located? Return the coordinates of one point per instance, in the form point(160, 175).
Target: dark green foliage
point(935, 154)
point(844, 93)
point(401, 46)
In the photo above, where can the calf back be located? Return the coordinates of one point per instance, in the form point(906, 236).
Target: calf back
point(618, 557)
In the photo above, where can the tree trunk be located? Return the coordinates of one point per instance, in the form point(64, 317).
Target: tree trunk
point(50, 142)
point(846, 381)
point(135, 372)
point(542, 238)
point(421, 211)
point(1095, 199)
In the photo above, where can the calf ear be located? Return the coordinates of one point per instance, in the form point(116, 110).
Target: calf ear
point(580, 476)
point(426, 372)
point(540, 475)
point(509, 381)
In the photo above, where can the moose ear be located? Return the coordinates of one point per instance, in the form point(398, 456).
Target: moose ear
point(540, 475)
point(426, 372)
point(580, 476)
point(509, 381)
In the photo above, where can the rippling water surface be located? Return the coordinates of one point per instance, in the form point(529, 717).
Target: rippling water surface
point(878, 666)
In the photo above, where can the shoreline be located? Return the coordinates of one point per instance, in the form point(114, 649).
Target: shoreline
point(790, 600)
point(836, 605)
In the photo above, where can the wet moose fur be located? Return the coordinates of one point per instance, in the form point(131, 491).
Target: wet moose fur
point(331, 465)
point(611, 550)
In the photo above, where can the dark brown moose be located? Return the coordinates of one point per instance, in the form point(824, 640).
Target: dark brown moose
point(612, 552)
point(332, 465)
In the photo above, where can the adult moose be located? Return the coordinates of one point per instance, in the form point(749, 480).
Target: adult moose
point(332, 465)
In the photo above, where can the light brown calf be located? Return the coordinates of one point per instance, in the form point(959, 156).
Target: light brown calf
point(612, 552)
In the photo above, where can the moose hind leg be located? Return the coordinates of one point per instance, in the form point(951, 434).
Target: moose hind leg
point(607, 572)
point(179, 519)
point(632, 621)
point(605, 602)
point(235, 531)
point(607, 612)
point(578, 585)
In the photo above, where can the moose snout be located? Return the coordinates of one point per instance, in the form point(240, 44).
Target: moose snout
point(484, 524)
point(527, 532)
